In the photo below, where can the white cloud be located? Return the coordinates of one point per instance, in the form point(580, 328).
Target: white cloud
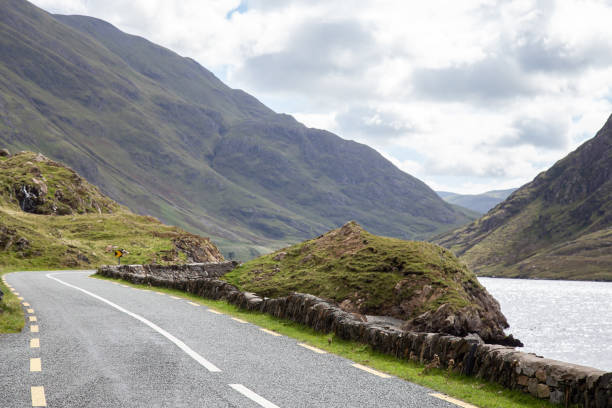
point(467, 95)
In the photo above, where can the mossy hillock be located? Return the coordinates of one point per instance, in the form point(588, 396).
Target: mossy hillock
point(420, 283)
point(52, 218)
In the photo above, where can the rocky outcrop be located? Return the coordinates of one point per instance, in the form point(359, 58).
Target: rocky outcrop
point(197, 248)
point(471, 319)
point(556, 381)
point(42, 186)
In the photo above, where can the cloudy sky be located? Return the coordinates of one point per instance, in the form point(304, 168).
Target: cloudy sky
point(468, 96)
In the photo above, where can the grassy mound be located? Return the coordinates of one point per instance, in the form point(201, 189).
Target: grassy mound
point(51, 218)
point(415, 281)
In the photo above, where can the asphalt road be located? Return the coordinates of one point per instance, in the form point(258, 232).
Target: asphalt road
point(105, 345)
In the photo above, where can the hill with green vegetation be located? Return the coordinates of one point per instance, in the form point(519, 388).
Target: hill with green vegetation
point(479, 203)
point(162, 135)
point(51, 218)
point(559, 226)
point(420, 283)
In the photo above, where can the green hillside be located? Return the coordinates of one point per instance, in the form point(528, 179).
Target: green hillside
point(51, 218)
point(162, 135)
point(418, 282)
point(559, 226)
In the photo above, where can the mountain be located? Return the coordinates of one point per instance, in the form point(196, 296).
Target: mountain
point(480, 203)
point(559, 226)
point(51, 218)
point(422, 284)
point(162, 135)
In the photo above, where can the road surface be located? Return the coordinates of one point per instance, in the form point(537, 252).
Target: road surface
point(93, 343)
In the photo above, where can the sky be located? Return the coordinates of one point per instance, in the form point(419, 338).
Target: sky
point(468, 96)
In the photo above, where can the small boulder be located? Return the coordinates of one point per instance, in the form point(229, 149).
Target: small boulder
point(4, 153)
point(22, 244)
point(543, 391)
point(280, 256)
point(40, 158)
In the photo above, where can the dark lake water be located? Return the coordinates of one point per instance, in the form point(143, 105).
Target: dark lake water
point(563, 320)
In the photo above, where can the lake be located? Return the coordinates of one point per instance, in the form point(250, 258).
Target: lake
point(563, 320)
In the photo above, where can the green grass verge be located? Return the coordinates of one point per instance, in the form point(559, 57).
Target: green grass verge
point(12, 319)
point(475, 391)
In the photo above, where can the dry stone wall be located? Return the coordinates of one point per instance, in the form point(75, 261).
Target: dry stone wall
point(559, 382)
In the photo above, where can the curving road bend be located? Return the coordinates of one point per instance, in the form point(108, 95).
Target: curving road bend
point(93, 343)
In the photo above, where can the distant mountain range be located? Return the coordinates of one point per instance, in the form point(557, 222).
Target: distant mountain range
point(481, 203)
point(557, 226)
point(162, 135)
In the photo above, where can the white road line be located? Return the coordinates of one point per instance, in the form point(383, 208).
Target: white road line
point(175, 297)
point(205, 363)
point(35, 365)
point(239, 320)
point(38, 397)
point(193, 304)
point(214, 311)
point(270, 332)
point(316, 350)
point(252, 396)
point(371, 371)
point(453, 400)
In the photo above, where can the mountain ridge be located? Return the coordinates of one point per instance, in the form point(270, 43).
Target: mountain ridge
point(162, 135)
point(481, 203)
point(557, 226)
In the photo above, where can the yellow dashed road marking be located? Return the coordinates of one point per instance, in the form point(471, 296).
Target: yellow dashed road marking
point(38, 397)
point(160, 293)
point(32, 318)
point(193, 304)
point(316, 350)
point(239, 320)
point(371, 371)
point(30, 311)
point(214, 311)
point(34, 328)
point(175, 297)
point(16, 293)
point(35, 364)
point(26, 304)
point(270, 332)
point(453, 400)
point(34, 343)
point(19, 297)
